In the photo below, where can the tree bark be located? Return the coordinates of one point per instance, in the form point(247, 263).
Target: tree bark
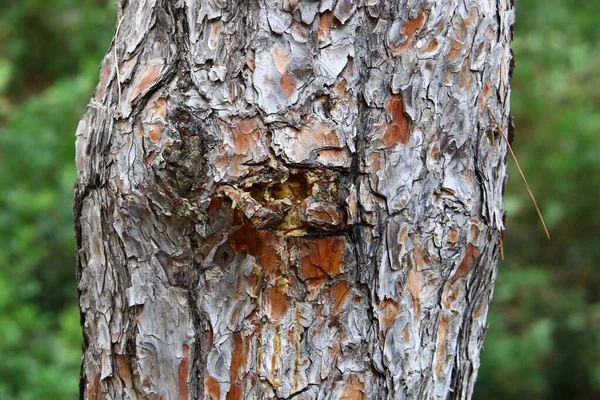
point(292, 198)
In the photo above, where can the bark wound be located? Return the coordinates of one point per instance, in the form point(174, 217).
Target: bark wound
point(304, 202)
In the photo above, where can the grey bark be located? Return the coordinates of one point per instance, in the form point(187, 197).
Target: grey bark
point(292, 198)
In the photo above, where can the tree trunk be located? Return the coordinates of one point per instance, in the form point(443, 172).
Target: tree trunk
point(292, 198)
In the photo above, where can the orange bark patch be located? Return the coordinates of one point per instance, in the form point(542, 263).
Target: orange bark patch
point(435, 152)
point(314, 134)
point(389, 311)
point(461, 32)
point(472, 17)
point(212, 389)
point(454, 50)
point(397, 131)
point(474, 231)
point(236, 164)
point(318, 134)
point(158, 109)
point(374, 166)
point(421, 260)
point(93, 387)
point(139, 130)
point(433, 45)
point(260, 244)
point(471, 253)
point(124, 371)
point(254, 280)
point(290, 5)
point(333, 352)
point(277, 302)
point(243, 143)
point(239, 357)
point(152, 116)
point(149, 159)
point(485, 94)
point(414, 284)
point(280, 58)
point(321, 258)
point(288, 84)
point(183, 374)
point(405, 335)
point(154, 133)
point(340, 292)
point(325, 21)
point(403, 235)
point(105, 74)
point(342, 90)
point(409, 31)
point(238, 362)
point(247, 126)
point(245, 136)
point(98, 247)
point(354, 389)
point(452, 235)
point(333, 156)
point(468, 176)
point(465, 76)
point(147, 79)
point(216, 27)
point(412, 25)
point(235, 393)
point(441, 344)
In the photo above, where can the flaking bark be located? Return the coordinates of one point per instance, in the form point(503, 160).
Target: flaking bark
point(292, 198)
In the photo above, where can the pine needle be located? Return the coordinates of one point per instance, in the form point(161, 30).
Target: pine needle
point(117, 61)
point(514, 157)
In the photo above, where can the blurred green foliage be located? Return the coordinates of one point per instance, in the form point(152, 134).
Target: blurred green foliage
point(49, 57)
point(544, 335)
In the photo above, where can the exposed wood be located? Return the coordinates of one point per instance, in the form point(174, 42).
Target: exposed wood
point(292, 198)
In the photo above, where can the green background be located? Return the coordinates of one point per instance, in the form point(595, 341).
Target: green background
point(544, 336)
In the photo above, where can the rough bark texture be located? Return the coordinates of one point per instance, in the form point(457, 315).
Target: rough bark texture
point(292, 198)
